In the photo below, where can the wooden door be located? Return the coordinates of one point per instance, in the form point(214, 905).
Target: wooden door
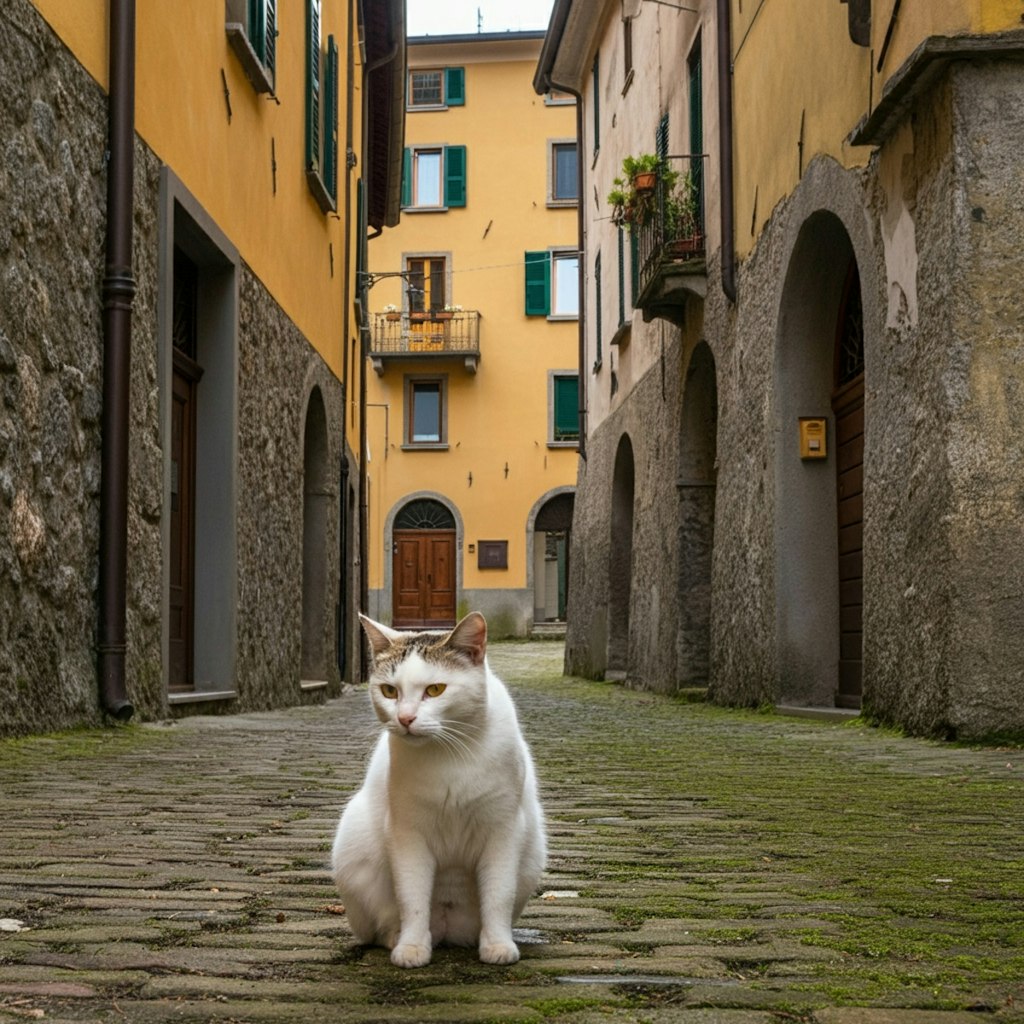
point(848, 406)
point(182, 546)
point(423, 578)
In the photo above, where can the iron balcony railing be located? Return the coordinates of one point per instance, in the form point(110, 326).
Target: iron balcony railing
point(428, 334)
point(672, 227)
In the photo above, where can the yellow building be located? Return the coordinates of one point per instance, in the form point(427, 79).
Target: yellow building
point(190, 372)
point(472, 418)
point(801, 390)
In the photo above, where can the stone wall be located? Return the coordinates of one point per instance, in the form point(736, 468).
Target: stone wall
point(52, 205)
point(52, 225)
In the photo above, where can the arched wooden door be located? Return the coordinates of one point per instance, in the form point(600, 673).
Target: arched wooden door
point(848, 409)
point(423, 566)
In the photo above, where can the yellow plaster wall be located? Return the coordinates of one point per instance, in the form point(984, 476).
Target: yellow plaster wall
point(500, 414)
point(181, 113)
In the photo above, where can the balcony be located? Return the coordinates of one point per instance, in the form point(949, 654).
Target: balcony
point(670, 242)
point(428, 336)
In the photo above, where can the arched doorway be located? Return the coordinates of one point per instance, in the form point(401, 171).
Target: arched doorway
point(552, 527)
point(620, 561)
point(423, 565)
point(819, 508)
point(316, 507)
point(697, 483)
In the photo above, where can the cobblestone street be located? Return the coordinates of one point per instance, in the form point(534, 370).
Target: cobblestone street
point(707, 867)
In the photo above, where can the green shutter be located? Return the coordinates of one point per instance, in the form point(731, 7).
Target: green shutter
point(455, 86)
point(634, 267)
point(455, 176)
point(538, 283)
point(622, 278)
point(270, 34)
point(331, 85)
point(407, 177)
point(596, 90)
point(661, 137)
point(567, 420)
point(312, 85)
point(598, 322)
point(257, 27)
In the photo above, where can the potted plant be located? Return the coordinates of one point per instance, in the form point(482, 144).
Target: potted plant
point(447, 312)
point(683, 230)
point(634, 199)
point(391, 312)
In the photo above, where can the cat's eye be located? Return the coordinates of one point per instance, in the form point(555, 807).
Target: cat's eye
point(435, 689)
point(388, 691)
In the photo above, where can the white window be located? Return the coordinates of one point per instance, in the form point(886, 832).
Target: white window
point(565, 284)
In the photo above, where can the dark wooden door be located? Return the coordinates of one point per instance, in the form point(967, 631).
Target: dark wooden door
point(423, 575)
point(848, 406)
point(182, 553)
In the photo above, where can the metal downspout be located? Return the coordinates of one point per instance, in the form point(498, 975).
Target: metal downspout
point(118, 291)
point(725, 149)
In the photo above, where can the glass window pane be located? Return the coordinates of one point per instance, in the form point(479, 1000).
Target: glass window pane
point(425, 88)
point(426, 412)
point(567, 285)
point(565, 172)
point(428, 179)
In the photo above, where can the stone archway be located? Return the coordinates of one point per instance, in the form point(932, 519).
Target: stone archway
point(697, 485)
point(811, 615)
point(620, 561)
point(316, 511)
point(549, 532)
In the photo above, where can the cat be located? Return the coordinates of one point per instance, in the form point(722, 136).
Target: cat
point(444, 842)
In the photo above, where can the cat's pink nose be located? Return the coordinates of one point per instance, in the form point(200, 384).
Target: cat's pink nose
point(406, 720)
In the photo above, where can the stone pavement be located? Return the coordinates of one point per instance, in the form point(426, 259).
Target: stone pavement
point(707, 867)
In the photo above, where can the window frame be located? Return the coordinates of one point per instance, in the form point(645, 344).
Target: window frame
point(453, 186)
point(554, 147)
point(449, 96)
point(409, 384)
point(563, 254)
point(553, 377)
point(255, 45)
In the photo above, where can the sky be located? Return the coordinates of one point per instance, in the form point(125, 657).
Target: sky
point(449, 17)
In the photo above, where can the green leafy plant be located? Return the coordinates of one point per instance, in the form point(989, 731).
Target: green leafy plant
point(632, 206)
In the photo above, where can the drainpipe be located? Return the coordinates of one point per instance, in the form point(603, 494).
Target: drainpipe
point(725, 149)
point(118, 292)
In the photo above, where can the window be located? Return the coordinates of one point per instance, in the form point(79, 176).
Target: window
point(425, 413)
point(321, 113)
point(596, 92)
point(562, 173)
point(627, 51)
point(597, 312)
point(565, 284)
point(563, 407)
point(427, 280)
point(252, 33)
point(436, 87)
point(552, 283)
point(434, 177)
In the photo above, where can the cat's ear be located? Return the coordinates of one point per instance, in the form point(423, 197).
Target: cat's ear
point(469, 637)
point(380, 636)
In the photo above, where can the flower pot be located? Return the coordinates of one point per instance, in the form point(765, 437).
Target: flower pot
point(443, 316)
point(645, 181)
point(393, 317)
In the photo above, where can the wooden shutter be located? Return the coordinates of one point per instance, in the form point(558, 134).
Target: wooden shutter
point(622, 278)
point(313, 85)
point(598, 324)
point(597, 101)
point(661, 137)
point(566, 414)
point(407, 177)
point(455, 86)
point(538, 283)
point(331, 86)
point(455, 176)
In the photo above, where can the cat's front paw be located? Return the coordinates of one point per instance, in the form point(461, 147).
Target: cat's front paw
point(499, 952)
point(409, 954)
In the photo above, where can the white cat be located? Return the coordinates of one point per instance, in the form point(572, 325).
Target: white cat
point(445, 840)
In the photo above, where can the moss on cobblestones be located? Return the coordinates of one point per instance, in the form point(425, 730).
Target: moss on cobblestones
point(754, 869)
